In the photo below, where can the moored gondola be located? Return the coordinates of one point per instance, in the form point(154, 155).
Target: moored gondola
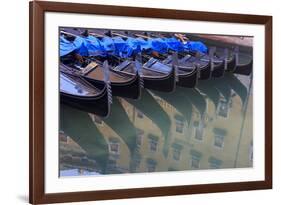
point(186, 74)
point(203, 63)
point(157, 78)
point(155, 75)
point(78, 93)
point(235, 64)
point(235, 43)
point(208, 64)
point(187, 59)
point(124, 83)
point(244, 69)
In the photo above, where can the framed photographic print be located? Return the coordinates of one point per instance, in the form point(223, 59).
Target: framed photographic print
point(138, 102)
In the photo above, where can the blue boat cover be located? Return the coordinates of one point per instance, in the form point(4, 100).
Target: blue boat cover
point(159, 45)
point(144, 45)
point(94, 46)
point(196, 46)
point(122, 49)
point(82, 50)
point(67, 47)
point(108, 44)
point(135, 44)
point(174, 44)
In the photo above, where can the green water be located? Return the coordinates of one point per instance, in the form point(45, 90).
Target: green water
point(209, 127)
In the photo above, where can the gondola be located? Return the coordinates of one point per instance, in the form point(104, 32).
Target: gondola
point(151, 70)
point(155, 80)
point(187, 73)
point(203, 63)
point(125, 79)
point(244, 68)
point(78, 93)
point(155, 75)
point(210, 65)
point(234, 63)
point(187, 59)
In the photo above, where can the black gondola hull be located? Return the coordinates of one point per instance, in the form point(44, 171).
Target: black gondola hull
point(98, 105)
point(231, 64)
point(205, 72)
point(130, 89)
point(164, 84)
point(205, 69)
point(218, 70)
point(245, 69)
point(188, 80)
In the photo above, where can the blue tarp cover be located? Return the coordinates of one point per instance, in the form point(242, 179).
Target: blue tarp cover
point(67, 47)
point(196, 46)
point(125, 48)
point(159, 45)
point(174, 44)
point(122, 49)
point(94, 46)
point(134, 44)
point(144, 45)
point(108, 44)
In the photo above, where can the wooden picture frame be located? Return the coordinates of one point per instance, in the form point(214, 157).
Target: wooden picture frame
point(37, 10)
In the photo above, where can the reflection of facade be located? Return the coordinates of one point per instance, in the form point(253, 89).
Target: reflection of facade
point(72, 156)
point(221, 137)
point(119, 154)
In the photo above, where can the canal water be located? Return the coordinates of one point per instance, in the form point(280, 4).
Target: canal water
point(209, 127)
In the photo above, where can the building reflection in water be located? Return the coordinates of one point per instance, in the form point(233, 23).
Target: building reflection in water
point(209, 127)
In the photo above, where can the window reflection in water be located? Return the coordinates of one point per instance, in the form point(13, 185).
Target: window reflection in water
point(198, 129)
point(223, 108)
point(153, 142)
point(162, 132)
point(179, 120)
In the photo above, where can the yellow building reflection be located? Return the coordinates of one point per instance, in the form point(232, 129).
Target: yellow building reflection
point(209, 127)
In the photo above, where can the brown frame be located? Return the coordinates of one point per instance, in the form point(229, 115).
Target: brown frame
point(36, 106)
